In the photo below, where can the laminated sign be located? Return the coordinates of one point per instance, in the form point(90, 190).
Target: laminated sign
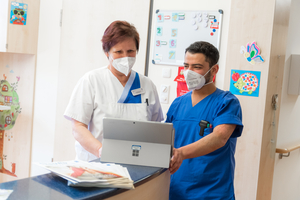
point(18, 13)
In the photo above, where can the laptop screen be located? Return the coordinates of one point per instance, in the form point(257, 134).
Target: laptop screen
point(137, 142)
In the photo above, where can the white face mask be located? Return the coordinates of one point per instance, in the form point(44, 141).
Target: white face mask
point(194, 80)
point(123, 65)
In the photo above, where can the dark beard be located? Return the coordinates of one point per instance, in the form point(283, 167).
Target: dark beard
point(207, 77)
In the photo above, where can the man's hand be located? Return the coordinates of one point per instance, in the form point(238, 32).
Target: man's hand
point(176, 160)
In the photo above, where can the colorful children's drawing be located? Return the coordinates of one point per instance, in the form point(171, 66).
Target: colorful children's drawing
point(172, 43)
point(9, 111)
point(18, 13)
point(175, 17)
point(159, 31)
point(157, 43)
point(245, 82)
point(251, 53)
point(160, 17)
point(172, 55)
point(174, 32)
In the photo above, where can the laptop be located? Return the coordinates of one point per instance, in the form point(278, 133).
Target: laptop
point(134, 142)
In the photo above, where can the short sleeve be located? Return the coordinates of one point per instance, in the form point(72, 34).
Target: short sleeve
point(172, 108)
point(169, 118)
point(229, 112)
point(169, 114)
point(81, 104)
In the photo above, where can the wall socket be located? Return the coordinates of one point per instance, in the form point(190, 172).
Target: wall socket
point(164, 93)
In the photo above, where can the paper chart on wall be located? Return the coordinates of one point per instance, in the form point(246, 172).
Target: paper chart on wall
point(175, 30)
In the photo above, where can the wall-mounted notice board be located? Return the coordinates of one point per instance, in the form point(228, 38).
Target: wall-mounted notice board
point(175, 30)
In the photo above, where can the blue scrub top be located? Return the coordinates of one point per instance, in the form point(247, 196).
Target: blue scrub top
point(210, 176)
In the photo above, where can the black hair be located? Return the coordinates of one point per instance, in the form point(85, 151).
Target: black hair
point(210, 52)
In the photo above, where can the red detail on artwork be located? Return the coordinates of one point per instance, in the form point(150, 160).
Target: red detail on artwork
point(235, 76)
point(157, 43)
point(214, 25)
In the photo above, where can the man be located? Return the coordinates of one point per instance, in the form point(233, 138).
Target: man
point(207, 122)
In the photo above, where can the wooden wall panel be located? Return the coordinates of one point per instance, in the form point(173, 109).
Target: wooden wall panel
point(23, 38)
point(274, 86)
point(257, 21)
point(248, 25)
point(18, 148)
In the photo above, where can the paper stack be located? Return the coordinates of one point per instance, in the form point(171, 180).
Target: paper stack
point(91, 174)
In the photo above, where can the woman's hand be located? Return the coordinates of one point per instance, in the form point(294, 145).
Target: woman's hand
point(100, 152)
point(85, 138)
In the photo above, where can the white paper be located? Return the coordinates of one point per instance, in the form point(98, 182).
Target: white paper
point(4, 194)
point(91, 174)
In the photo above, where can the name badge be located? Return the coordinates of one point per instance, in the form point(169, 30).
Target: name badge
point(137, 91)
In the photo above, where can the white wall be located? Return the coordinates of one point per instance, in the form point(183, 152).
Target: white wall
point(46, 84)
point(286, 182)
point(155, 71)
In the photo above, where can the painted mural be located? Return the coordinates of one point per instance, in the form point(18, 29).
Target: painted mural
point(9, 111)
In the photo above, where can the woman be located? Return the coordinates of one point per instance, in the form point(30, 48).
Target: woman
point(112, 91)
